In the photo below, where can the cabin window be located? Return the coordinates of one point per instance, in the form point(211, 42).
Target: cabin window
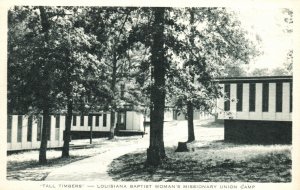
point(291, 97)
point(39, 128)
point(57, 125)
point(49, 128)
point(90, 120)
point(265, 97)
point(227, 96)
point(74, 120)
point(97, 121)
point(252, 92)
point(278, 97)
point(29, 129)
point(9, 125)
point(20, 123)
point(57, 121)
point(239, 95)
point(81, 120)
point(104, 120)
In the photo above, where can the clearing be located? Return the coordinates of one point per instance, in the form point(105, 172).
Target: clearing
point(209, 158)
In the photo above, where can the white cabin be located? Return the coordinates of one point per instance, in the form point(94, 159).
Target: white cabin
point(256, 109)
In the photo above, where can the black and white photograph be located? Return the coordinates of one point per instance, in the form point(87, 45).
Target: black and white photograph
point(149, 96)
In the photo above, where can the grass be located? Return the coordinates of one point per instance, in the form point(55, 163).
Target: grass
point(209, 159)
point(33, 171)
point(24, 165)
point(215, 162)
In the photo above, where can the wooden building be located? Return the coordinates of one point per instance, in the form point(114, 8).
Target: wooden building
point(256, 109)
point(25, 132)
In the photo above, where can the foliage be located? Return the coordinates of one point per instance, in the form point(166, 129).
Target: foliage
point(206, 48)
point(68, 57)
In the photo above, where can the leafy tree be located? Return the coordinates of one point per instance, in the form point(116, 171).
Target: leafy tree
point(234, 70)
point(112, 27)
point(279, 72)
point(260, 72)
point(81, 72)
point(156, 151)
point(202, 45)
point(211, 40)
point(52, 61)
point(288, 65)
point(288, 28)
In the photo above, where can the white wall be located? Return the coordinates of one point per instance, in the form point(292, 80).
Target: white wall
point(285, 115)
point(134, 121)
point(56, 134)
point(33, 143)
point(85, 127)
point(168, 115)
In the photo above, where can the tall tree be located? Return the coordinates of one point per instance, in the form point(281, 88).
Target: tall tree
point(156, 150)
point(112, 27)
point(206, 43)
point(28, 54)
point(45, 87)
point(54, 61)
point(81, 70)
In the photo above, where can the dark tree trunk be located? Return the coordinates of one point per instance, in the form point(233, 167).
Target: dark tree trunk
point(190, 107)
point(68, 90)
point(112, 125)
point(45, 90)
point(113, 106)
point(44, 140)
point(190, 113)
point(67, 133)
point(182, 147)
point(156, 150)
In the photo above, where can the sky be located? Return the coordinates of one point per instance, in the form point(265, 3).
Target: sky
point(267, 23)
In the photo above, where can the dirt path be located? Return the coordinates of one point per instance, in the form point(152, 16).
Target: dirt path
point(93, 168)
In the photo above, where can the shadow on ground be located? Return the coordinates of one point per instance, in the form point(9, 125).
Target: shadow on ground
point(211, 124)
point(31, 169)
point(215, 162)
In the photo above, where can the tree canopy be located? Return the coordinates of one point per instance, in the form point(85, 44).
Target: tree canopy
point(65, 59)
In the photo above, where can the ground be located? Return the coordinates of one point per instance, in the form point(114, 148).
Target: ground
point(215, 162)
point(25, 166)
point(209, 158)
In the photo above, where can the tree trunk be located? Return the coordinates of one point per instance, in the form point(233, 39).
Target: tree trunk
point(182, 147)
point(67, 133)
point(113, 106)
point(112, 125)
point(45, 90)
point(68, 90)
point(190, 107)
point(156, 150)
point(190, 113)
point(44, 140)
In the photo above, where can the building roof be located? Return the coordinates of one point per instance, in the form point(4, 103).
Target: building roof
point(254, 79)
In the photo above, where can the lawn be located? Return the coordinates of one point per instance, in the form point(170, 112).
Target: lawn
point(214, 162)
point(210, 159)
point(24, 165)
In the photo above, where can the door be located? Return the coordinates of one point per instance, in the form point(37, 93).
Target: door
point(121, 120)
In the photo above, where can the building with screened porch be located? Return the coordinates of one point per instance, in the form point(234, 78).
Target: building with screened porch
point(256, 109)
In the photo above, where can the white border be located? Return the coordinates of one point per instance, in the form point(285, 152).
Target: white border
point(4, 4)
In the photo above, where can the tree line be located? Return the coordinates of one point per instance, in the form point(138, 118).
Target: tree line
point(66, 59)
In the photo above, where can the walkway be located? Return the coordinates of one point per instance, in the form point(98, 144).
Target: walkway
point(93, 168)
